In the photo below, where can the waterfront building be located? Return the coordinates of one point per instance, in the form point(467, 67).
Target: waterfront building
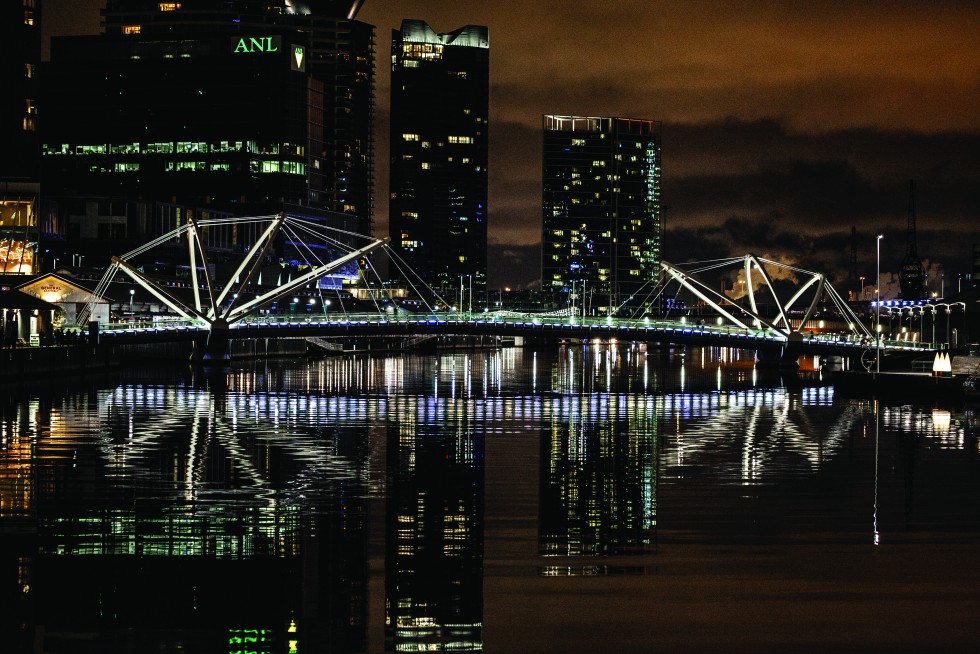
point(20, 58)
point(206, 109)
point(601, 222)
point(438, 200)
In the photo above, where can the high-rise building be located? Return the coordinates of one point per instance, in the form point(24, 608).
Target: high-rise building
point(601, 228)
point(438, 201)
point(210, 108)
point(20, 57)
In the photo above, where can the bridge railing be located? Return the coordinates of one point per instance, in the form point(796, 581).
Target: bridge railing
point(529, 320)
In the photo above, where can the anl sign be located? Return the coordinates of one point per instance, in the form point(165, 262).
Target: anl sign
point(255, 44)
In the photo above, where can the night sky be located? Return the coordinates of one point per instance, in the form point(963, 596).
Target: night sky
point(785, 123)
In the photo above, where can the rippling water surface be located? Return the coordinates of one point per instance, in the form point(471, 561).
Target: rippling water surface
point(573, 499)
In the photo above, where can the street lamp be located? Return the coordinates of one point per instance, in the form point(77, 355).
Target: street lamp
point(878, 307)
point(132, 292)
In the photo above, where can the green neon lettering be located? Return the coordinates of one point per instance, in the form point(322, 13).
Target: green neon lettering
point(241, 47)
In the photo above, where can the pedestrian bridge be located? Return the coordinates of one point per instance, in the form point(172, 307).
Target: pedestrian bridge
point(213, 312)
point(528, 326)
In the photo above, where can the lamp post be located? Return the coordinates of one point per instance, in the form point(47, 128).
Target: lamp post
point(132, 292)
point(878, 307)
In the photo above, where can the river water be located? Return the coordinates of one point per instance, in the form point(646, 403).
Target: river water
point(574, 499)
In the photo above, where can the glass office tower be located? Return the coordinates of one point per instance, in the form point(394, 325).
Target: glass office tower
point(438, 200)
point(601, 227)
point(210, 108)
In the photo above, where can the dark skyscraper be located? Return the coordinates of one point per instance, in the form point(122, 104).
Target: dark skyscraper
point(210, 108)
point(601, 209)
point(439, 108)
point(20, 56)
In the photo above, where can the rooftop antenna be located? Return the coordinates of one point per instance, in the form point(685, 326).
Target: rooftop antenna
point(910, 277)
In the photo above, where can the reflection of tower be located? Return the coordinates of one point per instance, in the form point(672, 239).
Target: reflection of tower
point(434, 542)
point(598, 482)
point(910, 277)
point(184, 529)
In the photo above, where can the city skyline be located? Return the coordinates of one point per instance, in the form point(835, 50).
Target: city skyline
point(784, 125)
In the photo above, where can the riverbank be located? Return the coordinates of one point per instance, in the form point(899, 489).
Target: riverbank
point(23, 363)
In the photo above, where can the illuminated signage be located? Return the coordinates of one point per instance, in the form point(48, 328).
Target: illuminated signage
point(298, 60)
point(255, 44)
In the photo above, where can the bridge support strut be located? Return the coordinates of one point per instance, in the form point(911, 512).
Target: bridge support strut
point(216, 348)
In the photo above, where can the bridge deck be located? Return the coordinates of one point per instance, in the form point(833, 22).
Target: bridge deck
point(371, 325)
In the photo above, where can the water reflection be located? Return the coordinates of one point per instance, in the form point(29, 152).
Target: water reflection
point(434, 527)
point(598, 476)
point(177, 518)
point(234, 511)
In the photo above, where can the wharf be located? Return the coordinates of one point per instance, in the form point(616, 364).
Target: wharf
point(899, 385)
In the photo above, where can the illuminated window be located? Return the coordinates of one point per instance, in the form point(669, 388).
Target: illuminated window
point(460, 139)
point(30, 108)
point(410, 137)
point(291, 167)
point(422, 51)
point(90, 149)
point(578, 141)
point(410, 214)
point(169, 6)
point(131, 29)
point(462, 258)
point(28, 16)
point(125, 167)
point(426, 165)
point(191, 146)
point(28, 70)
point(28, 124)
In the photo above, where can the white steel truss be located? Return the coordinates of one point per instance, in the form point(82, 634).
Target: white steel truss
point(749, 317)
point(219, 310)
